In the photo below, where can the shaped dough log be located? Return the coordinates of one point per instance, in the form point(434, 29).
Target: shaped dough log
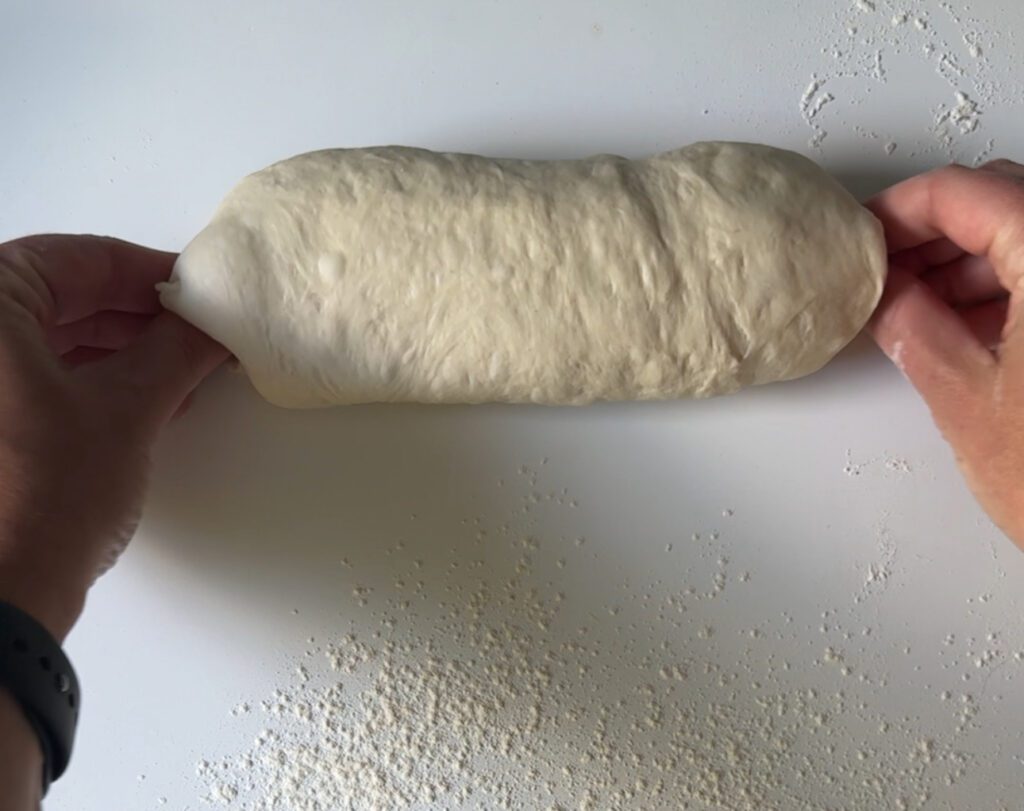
point(396, 274)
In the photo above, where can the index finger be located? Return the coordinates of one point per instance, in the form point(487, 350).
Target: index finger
point(980, 210)
point(88, 274)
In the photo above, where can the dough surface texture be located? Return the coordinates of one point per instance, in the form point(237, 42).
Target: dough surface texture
point(399, 274)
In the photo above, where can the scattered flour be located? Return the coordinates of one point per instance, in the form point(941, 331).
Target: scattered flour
point(812, 102)
point(473, 682)
point(876, 49)
point(889, 464)
point(879, 572)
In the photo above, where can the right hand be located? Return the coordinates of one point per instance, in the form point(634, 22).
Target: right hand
point(952, 318)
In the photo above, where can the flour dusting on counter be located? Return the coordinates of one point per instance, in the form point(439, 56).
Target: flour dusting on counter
point(470, 680)
point(875, 50)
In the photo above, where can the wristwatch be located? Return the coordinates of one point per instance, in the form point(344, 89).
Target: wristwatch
point(35, 671)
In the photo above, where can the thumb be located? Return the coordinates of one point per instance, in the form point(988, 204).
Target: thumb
point(936, 350)
point(157, 372)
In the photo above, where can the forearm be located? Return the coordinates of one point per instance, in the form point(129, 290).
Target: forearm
point(21, 760)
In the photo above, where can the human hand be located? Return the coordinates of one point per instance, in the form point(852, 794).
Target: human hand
point(90, 370)
point(951, 318)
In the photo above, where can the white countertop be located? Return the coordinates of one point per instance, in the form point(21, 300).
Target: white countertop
point(844, 632)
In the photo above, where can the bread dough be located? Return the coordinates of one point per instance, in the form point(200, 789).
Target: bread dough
point(397, 274)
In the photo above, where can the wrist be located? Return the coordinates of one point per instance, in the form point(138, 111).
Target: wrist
point(21, 757)
point(44, 595)
point(37, 675)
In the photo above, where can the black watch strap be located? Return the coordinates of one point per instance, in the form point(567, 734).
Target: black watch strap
point(35, 671)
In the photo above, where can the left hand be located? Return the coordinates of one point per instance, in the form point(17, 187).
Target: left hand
point(90, 370)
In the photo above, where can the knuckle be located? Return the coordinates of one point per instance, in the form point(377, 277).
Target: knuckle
point(1002, 165)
